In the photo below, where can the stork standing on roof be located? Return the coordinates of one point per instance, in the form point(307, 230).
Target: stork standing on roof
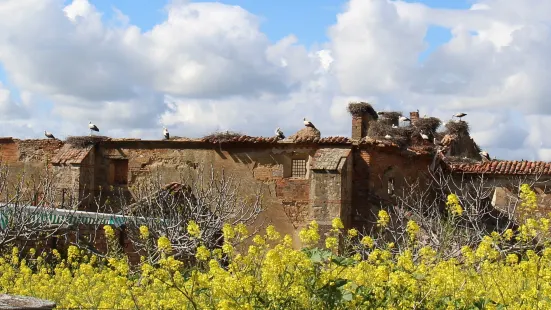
point(166, 134)
point(279, 133)
point(485, 155)
point(92, 127)
point(308, 123)
point(49, 135)
point(460, 115)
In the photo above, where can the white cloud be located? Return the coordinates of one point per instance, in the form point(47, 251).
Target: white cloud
point(208, 66)
point(9, 108)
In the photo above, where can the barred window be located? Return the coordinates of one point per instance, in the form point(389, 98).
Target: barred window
point(299, 168)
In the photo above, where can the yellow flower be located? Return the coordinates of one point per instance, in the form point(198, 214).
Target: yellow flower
point(241, 229)
point(228, 232)
point(331, 243)
point(528, 198)
point(412, 229)
point(368, 241)
point(109, 232)
point(383, 218)
point(164, 244)
point(310, 235)
point(193, 229)
point(512, 259)
point(271, 233)
point(202, 253)
point(352, 232)
point(259, 240)
point(337, 223)
point(453, 205)
point(144, 232)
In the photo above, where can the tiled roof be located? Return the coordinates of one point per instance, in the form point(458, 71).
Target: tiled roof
point(70, 155)
point(503, 167)
point(329, 158)
point(269, 140)
point(325, 140)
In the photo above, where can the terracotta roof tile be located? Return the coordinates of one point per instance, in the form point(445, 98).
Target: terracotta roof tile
point(503, 167)
point(70, 155)
point(270, 140)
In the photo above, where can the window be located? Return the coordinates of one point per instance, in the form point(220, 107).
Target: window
point(120, 175)
point(299, 168)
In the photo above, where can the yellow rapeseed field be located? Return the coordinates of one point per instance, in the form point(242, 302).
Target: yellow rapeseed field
point(271, 274)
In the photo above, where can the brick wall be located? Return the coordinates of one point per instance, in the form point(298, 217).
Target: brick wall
point(372, 169)
point(9, 152)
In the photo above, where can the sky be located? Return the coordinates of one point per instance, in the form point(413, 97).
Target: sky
point(134, 66)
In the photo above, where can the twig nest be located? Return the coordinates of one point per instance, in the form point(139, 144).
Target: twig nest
point(457, 127)
point(306, 132)
point(360, 108)
point(222, 136)
point(85, 141)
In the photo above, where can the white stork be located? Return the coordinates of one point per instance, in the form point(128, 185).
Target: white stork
point(92, 127)
point(424, 136)
point(308, 123)
point(485, 155)
point(166, 134)
point(404, 119)
point(279, 133)
point(394, 126)
point(49, 135)
point(460, 115)
point(388, 137)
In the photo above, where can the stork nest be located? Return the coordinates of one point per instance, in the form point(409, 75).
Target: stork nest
point(222, 136)
point(85, 141)
point(428, 124)
point(360, 108)
point(457, 127)
point(391, 117)
point(400, 135)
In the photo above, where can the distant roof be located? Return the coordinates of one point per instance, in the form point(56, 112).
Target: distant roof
point(70, 155)
point(506, 167)
point(329, 158)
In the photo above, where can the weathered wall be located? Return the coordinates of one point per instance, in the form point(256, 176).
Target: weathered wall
point(373, 167)
point(263, 167)
point(28, 159)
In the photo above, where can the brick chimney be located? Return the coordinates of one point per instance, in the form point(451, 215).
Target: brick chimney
point(414, 116)
point(362, 114)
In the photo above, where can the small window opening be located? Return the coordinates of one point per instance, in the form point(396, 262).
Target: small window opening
point(121, 171)
point(299, 168)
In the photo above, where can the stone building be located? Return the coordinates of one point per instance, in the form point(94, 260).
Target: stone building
point(304, 177)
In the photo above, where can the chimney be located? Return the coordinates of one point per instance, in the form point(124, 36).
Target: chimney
point(362, 114)
point(414, 116)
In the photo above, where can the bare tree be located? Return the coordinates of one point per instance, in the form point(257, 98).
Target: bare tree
point(28, 201)
point(208, 197)
point(424, 201)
